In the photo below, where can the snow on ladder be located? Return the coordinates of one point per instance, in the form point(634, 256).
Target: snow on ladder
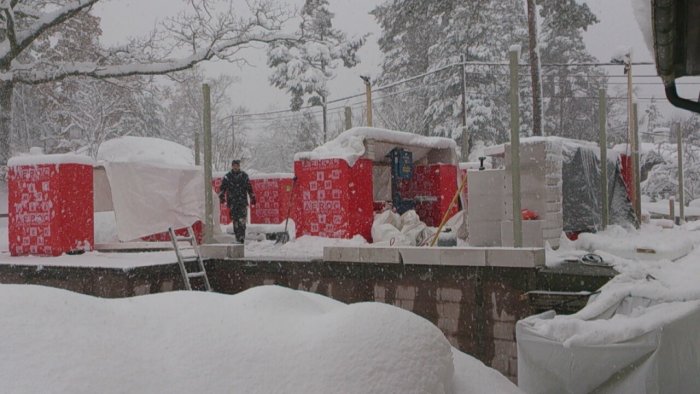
point(181, 260)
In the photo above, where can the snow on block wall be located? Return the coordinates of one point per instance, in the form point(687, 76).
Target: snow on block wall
point(50, 206)
point(332, 199)
point(272, 198)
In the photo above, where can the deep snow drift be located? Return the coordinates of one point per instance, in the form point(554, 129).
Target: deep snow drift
point(264, 340)
point(669, 288)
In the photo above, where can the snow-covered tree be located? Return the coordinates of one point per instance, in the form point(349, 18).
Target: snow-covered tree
point(77, 114)
point(208, 29)
point(183, 116)
point(420, 36)
point(571, 104)
point(482, 31)
point(300, 132)
point(652, 117)
point(303, 68)
point(409, 29)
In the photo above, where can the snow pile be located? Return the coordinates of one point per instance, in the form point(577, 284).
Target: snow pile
point(649, 243)
point(661, 207)
point(146, 150)
point(264, 340)
point(642, 323)
point(669, 288)
point(350, 144)
point(269, 175)
point(32, 159)
point(306, 247)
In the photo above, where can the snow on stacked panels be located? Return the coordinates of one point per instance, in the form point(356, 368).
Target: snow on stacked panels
point(265, 340)
point(350, 144)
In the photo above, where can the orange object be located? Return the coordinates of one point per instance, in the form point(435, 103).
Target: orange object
point(529, 215)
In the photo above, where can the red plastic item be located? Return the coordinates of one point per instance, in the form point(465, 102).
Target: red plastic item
point(333, 199)
point(197, 227)
point(272, 200)
point(626, 162)
point(435, 185)
point(225, 215)
point(527, 214)
point(50, 209)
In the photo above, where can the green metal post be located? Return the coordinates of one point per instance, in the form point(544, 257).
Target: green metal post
point(515, 147)
point(208, 198)
point(604, 200)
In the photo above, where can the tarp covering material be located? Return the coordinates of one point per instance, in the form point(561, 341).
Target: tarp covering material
point(624, 345)
point(148, 199)
point(581, 190)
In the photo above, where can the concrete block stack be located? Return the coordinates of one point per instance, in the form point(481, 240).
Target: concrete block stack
point(540, 191)
point(486, 191)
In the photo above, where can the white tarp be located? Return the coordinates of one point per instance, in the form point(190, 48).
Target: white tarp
point(632, 345)
point(148, 199)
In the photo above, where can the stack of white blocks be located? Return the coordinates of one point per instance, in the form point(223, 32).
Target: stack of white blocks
point(485, 190)
point(540, 191)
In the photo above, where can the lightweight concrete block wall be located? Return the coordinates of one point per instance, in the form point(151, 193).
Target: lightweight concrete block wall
point(527, 257)
point(533, 233)
point(485, 189)
point(541, 189)
point(451, 256)
point(221, 251)
point(364, 254)
point(515, 257)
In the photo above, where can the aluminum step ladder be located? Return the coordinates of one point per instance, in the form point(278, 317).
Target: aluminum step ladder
point(182, 260)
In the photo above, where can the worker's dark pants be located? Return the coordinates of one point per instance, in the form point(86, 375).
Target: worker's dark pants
point(239, 215)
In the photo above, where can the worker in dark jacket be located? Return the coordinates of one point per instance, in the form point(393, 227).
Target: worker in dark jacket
point(235, 189)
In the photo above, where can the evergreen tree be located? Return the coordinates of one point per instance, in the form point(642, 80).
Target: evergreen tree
point(571, 92)
point(419, 36)
point(183, 116)
point(304, 68)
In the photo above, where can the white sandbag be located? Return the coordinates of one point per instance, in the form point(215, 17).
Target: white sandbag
point(412, 227)
point(388, 217)
point(385, 232)
point(408, 218)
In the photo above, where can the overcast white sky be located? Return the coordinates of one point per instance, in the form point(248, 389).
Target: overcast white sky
point(121, 18)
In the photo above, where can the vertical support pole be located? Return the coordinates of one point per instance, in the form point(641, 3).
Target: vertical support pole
point(368, 93)
point(233, 137)
point(681, 182)
point(635, 166)
point(604, 200)
point(515, 147)
point(208, 198)
point(197, 160)
point(348, 118)
point(672, 209)
point(325, 119)
point(465, 137)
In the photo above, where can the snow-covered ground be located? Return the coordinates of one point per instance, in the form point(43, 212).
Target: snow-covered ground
point(669, 288)
point(264, 340)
